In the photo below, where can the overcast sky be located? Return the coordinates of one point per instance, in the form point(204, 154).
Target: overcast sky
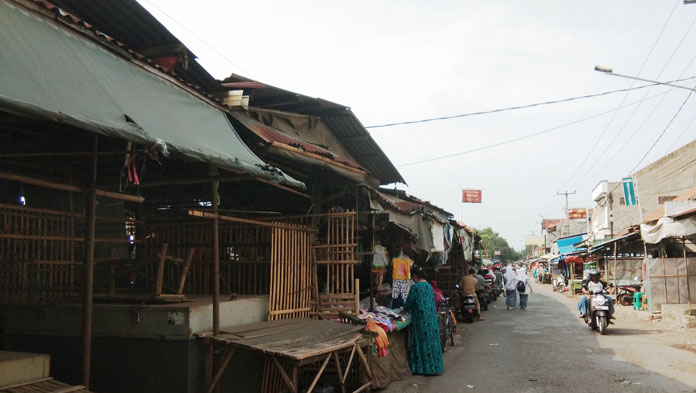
point(393, 61)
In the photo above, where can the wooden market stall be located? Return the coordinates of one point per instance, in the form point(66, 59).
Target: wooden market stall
point(291, 344)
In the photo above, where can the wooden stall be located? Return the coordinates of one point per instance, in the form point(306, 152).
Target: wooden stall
point(291, 344)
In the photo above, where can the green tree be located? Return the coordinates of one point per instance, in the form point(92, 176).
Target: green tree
point(491, 242)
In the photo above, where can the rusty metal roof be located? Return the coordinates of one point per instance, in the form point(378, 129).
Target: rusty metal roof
point(271, 135)
point(342, 122)
point(133, 26)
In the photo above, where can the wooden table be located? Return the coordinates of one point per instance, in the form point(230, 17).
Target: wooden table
point(298, 342)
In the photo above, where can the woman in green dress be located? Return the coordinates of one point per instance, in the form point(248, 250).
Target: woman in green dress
point(426, 350)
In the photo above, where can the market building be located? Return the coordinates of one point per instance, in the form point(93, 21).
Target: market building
point(153, 216)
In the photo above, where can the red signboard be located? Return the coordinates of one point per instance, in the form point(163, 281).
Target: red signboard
point(549, 223)
point(471, 196)
point(577, 214)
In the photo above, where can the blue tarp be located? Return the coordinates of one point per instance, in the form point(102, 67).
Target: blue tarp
point(567, 245)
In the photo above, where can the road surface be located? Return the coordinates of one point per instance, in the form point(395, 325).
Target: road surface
point(548, 349)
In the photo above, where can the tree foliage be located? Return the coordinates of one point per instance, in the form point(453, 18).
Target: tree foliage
point(491, 242)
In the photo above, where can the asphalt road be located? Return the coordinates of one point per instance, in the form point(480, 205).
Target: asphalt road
point(547, 349)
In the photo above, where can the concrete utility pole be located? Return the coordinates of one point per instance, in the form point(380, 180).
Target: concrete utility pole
point(566, 207)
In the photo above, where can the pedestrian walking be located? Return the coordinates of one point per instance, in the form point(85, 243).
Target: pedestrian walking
point(510, 280)
point(523, 287)
point(426, 349)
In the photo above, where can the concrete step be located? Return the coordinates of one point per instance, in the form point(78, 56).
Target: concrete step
point(22, 367)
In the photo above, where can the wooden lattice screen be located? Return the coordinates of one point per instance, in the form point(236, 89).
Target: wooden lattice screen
point(335, 252)
point(291, 273)
point(336, 260)
point(245, 256)
point(38, 251)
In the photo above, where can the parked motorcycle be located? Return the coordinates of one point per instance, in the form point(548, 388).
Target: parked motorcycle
point(597, 316)
point(625, 294)
point(468, 308)
point(484, 297)
point(560, 284)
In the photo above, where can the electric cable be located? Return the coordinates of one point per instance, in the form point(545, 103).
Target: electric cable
point(517, 107)
point(688, 126)
point(663, 131)
point(635, 110)
point(611, 121)
point(197, 37)
point(522, 137)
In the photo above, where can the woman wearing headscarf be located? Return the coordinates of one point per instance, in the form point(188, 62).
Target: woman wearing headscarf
point(439, 296)
point(510, 283)
point(426, 349)
point(524, 294)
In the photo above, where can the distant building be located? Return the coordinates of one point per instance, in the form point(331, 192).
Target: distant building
point(657, 183)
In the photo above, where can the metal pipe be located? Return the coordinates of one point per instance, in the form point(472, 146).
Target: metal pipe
point(90, 226)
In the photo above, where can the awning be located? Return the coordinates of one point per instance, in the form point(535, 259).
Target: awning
point(668, 227)
point(567, 245)
point(602, 245)
point(50, 71)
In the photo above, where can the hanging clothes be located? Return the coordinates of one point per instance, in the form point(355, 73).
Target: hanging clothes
point(401, 276)
point(438, 233)
point(380, 261)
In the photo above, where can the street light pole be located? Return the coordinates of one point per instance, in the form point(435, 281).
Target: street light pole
point(609, 71)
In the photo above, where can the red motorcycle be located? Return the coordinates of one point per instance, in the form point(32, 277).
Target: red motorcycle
point(625, 295)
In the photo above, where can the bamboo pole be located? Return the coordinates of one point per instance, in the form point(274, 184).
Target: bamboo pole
point(87, 306)
point(70, 188)
point(321, 371)
point(216, 256)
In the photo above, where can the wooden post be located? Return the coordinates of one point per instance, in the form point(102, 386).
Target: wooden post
point(216, 254)
point(185, 270)
point(357, 297)
point(616, 285)
point(159, 278)
point(90, 224)
point(372, 276)
point(686, 266)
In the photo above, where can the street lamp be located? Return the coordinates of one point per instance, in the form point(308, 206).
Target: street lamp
point(609, 71)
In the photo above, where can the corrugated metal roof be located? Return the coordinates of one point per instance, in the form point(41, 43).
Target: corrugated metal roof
point(270, 134)
point(338, 118)
point(130, 23)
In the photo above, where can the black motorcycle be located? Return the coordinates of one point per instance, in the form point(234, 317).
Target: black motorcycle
point(468, 308)
point(484, 297)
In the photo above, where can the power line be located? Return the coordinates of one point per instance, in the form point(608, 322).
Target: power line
point(511, 108)
point(522, 137)
point(680, 135)
point(197, 37)
point(611, 121)
point(663, 131)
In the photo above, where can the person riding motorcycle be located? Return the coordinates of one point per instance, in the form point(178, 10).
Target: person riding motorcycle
point(592, 284)
point(468, 285)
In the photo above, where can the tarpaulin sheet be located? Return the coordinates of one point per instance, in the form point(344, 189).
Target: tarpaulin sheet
point(50, 71)
point(416, 223)
point(668, 227)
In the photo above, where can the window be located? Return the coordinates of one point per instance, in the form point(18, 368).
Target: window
point(622, 201)
point(666, 198)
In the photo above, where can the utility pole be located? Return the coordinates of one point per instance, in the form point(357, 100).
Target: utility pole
point(566, 207)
